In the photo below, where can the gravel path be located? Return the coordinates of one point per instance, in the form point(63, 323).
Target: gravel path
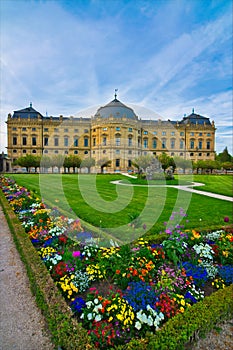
point(22, 325)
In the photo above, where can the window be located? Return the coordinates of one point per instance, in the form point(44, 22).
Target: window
point(145, 143)
point(56, 130)
point(46, 129)
point(24, 140)
point(117, 162)
point(75, 141)
point(66, 141)
point(129, 163)
point(145, 132)
point(163, 133)
point(118, 128)
point(93, 152)
point(172, 154)
point(172, 133)
point(56, 141)
point(66, 130)
point(34, 151)
point(94, 130)
point(139, 142)
point(139, 131)
point(24, 129)
point(94, 141)
point(129, 152)
point(104, 141)
point(85, 131)
point(181, 154)
point(24, 151)
point(208, 144)
point(46, 151)
point(85, 152)
point(191, 154)
point(155, 132)
point(200, 133)
point(181, 144)
point(46, 141)
point(118, 141)
point(104, 151)
point(105, 129)
point(66, 152)
point(14, 140)
point(145, 153)
point(14, 129)
point(117, 151)
point(191, 133)
point(192, 144)
point(199, 154)
point(14, 151)
point(154, 144)
point(33, 129)
point(34, 141)
point(130, 141)
point(85, 142)
point(200, 144)
point(163, 143)
point(208, 154)
point(181, 133)
point(75, 130)
point(75, 152)
point(56, 152)
point(208, 134)
point(130, 129)
point(172, 144)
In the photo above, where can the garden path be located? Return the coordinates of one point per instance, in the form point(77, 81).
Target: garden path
point(188, 188)
point(22, 326)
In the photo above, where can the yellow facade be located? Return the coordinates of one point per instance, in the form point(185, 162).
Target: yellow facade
point(114, 133)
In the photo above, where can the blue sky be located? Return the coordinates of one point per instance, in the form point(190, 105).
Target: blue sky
point(165, 57)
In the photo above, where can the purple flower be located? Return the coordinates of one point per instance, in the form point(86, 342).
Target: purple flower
point(226, 219)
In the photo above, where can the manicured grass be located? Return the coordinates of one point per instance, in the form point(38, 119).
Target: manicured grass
point(106, 206)
point(221, 184)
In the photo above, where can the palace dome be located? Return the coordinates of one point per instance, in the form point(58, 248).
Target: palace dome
point(116, 109)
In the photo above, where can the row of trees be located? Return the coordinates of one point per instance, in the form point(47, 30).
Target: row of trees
point(68, 162)
point(223, 161)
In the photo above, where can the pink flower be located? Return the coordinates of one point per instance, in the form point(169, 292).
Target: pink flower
point(76, 254)
point(226, 219)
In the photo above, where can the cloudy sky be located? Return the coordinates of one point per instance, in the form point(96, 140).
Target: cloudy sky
point(165, 57)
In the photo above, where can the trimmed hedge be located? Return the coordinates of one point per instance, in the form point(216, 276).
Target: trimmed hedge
point(65, 331)
point(68, 334)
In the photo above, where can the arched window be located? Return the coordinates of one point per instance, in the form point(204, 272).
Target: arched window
point(118, 139)
point(154, 143)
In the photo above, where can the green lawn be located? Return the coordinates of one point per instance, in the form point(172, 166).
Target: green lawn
point(221, 184)
point(110, 207)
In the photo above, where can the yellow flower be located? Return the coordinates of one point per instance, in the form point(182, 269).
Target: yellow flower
point(181, 309)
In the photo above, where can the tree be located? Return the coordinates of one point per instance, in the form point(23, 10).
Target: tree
point(88, 163)
point(182, 163)
point(224, 156)
point(142, 162)
point(165, 161)
point(28, 162)
point(200, 164)
point(227, 166)
point(58, 161)
point(212, 164)
point(72, 161)
point(45, 162)
point(103, 163)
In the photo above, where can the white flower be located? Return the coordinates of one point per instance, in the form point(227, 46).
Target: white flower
point(138, 325)
point(90, 316)
point(98, 318)
point(96, 301)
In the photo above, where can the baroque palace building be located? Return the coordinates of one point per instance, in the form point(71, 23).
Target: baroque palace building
point(114, 133)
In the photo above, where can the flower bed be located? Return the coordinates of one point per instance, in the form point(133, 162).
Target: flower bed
point(124, 293)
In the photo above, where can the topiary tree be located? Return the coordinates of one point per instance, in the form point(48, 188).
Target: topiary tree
point(87, 163)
